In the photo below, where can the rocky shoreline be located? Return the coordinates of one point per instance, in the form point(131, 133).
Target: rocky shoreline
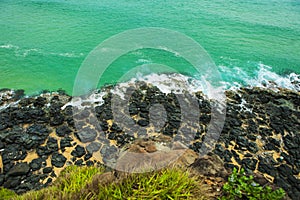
point(39, 135)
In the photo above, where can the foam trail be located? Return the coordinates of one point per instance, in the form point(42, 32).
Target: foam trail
point(264, 77)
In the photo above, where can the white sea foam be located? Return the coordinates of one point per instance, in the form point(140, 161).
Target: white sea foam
point(24, 52)
point(95, 98)
point(69, 55)
point(170, 50)
point(178, 83)
point(143, 61)
point(6, 99)
point(8, 46)
point(263, 77)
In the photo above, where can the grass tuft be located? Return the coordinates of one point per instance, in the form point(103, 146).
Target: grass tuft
point(6, 193)
point(164, 184)
point(70, 181)
point(92, 183)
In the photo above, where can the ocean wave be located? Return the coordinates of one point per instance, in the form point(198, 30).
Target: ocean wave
point(263, 77)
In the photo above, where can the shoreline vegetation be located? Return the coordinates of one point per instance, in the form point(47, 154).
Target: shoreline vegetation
point(40, 144)
point(83, 182)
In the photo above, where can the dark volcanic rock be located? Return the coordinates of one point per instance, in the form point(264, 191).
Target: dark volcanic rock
point(40, 102)
point(2, 178)
point(61, 131)
point(65, 142)
point(36, 164)
point(37, 135)
point(57, 119)
point(47, 170)
point(267, 114)
point(79, 162)
point(52, 145)
point(58, 160)
point(86, 135)
point(249, 163)
point(19, 170)
point(78, 152)
point(12, 182)
point(93, 147)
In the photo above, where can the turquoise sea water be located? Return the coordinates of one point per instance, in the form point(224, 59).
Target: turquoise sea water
point(43, 42)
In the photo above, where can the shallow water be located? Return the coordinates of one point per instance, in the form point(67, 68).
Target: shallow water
point(43, 43)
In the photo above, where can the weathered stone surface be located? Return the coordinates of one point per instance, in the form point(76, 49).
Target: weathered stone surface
point(78, 152)
point(93, 147)
point(86, 135)
point(210, 165)
point(19, 170)
point(58, 160)
point(36, 164)
point(63, 130)
point(260, 132)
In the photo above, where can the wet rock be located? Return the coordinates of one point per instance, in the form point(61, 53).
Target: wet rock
point(89, 163)
point(2, 178)
point(61, 131)
point(43, 151)
point(290, 142)
point(78, 152)
point(38, 134)
point(47, 170)
point(57, 119)
point(271, 146)
point(3, 126)
point(104, 126)
point(68, 110)
point(52, 145)
point(87, 156)
point(252, 137)
point(65, 142)
point(210, 165)
point(249, 163)
point(284, 170)
point(40, 102)
point(93, 147)
point(86, 135)
point(115, 128)
point(274, 142)
point(79, 162)
point(242, 141)
point(143, 122)
point(19, 170)
point(12, 182)
point(58, 160)
point(252, 147)
point(266, 165)
point(36, 164)
point(13, 152)
point(111, 136)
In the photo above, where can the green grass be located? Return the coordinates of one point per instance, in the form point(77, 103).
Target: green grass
point(164, 184)
point(70, 182)
point(87, 183)
point(6, 193)
point(82, 183)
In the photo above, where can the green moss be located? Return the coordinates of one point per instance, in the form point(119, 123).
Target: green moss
point(6, 193)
